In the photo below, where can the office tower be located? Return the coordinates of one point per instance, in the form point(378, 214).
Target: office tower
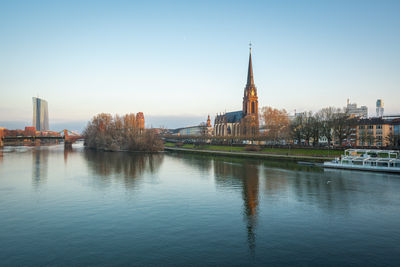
point(40, 114)
point(379, 108)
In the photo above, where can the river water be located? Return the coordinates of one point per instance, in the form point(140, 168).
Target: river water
point(83, 207)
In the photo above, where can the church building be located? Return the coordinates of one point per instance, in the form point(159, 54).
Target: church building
point(243, 122)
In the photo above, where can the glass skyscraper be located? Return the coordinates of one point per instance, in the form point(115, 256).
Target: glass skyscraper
point(40, 114)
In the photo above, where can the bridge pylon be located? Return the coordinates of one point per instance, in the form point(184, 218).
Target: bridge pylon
point(69, 139)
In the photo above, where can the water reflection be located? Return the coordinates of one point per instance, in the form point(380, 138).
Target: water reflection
point(128, 166)
point(67, 150)
point(232, 174)
point(245, 175)
point(320, 188)
point(208, 210)
point(290, 165)
point(39, 166)
point(202, 162)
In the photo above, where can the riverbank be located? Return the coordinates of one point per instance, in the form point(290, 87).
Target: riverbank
point(250, 154)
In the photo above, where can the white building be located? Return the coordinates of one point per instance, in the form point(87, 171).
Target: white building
point(353, 110)
point(379, 108)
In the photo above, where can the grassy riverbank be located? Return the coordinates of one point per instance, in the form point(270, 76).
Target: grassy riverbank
point(273, 151)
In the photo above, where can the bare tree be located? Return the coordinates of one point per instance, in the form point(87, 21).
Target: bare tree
point(316, 125)
point(307, 126)
point(327, 119)
point(393, 139)
point(296, 128)
point(370, 138)
point(362, 137)
point(340, 124)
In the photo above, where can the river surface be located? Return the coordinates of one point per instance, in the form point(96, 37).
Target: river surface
point(83, 207)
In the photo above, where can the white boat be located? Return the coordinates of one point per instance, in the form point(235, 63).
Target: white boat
point(367, 160)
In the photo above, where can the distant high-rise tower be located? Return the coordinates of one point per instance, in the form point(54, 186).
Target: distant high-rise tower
point(40, 114)
point(379, 108)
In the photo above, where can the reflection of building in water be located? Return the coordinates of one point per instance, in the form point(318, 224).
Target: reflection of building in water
point(71, 153)
point(128, 166)
point(39, 166)
point(245, 174)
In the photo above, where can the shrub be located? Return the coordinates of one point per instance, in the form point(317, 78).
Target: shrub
point(178, 144)
point(252, 148)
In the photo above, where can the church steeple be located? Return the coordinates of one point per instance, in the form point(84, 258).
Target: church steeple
point(250, 79)
point(250, 99)
point(250, 103)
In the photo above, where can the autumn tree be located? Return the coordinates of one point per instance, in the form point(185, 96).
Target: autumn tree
point(120, 133)
point(249, 127)
point(276, 123)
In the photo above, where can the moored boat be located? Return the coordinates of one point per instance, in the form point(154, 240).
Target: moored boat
point(367, 160)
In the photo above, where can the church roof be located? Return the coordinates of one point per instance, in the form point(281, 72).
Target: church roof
point(250, 79)
point(235, 116)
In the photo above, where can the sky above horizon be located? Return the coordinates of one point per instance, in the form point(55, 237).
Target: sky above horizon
point(186, 59)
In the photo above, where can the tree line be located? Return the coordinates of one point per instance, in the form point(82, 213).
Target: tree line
point(308, 127)
point(120, 133)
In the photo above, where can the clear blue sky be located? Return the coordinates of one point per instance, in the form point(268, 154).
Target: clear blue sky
point(187, 59)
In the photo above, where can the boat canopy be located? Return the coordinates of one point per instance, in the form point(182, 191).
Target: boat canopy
point(375, 153)
point(368, 159)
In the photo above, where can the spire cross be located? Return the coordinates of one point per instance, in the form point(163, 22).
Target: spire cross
point(250, 45)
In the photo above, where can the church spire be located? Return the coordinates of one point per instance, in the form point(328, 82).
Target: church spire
point(250, 80)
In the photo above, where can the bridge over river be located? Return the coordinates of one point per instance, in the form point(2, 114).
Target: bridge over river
point(67, 137)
